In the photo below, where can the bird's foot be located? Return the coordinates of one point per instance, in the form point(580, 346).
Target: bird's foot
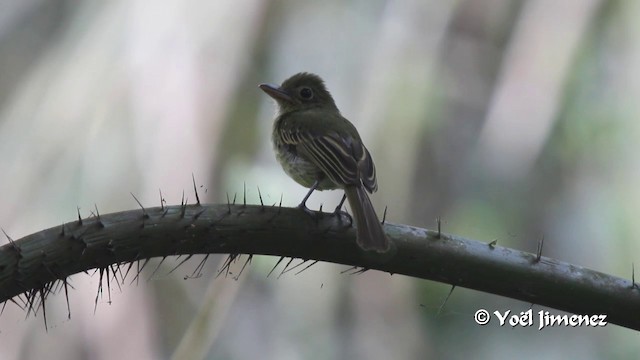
point(313, 214)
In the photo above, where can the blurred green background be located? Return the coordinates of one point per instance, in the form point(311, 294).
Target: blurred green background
point(510, 120)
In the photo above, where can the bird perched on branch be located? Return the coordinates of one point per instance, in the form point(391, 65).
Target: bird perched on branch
point(321, 150)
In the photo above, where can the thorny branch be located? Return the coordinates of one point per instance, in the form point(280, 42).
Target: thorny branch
point(38, 265)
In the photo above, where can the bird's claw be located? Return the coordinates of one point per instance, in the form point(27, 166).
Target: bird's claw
point(313, 214)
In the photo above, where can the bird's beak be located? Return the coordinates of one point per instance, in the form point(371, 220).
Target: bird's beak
point(276, 92)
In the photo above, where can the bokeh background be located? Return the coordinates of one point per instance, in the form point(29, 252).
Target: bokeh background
point(510, 120)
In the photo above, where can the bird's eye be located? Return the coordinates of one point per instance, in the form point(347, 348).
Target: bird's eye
point(306, 93)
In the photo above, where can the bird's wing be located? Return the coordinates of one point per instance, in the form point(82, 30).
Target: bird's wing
point(344, 159)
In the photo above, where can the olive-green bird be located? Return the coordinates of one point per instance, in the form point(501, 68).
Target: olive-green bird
point(321, 150)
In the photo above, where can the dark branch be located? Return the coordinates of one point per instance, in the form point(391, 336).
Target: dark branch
point(119, 238)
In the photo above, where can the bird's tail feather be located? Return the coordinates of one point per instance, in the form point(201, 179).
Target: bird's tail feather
point(370, 233)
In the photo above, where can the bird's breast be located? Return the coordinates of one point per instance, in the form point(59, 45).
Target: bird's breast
point(303, 171)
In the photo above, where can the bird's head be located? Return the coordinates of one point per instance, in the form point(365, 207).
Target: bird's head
point(299, 92)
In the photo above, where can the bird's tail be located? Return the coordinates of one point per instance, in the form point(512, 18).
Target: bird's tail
point(371, 236)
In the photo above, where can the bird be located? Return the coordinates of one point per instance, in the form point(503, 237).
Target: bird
point(322, 150)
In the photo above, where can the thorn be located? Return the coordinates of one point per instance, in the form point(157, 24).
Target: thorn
point(248, 261)
point(30, 300)
point(234, 198)
point(13, 244)
point(280, 204)
point(108, 285)
point(306, 267)
point(79, 218)
point(634, 285)
point(445, 301)
point(24, 301)
point(226, 266)
point(384, 215)
point(361, 271)
point(99, 292)
point(195, 189)
point(228, 204)
point(144, 211)
point(439, 222)
point(354, 271)
point(115, 275)
point(161, 200)
point(492, 244)
point(66, 295)
point(181, 262)
point(8, 237)
point(295, 267)
point(43, 296)
point(21, 306)
point(156, 269)
point(244, 190)
point(349, 269)
point(182, 201)
point(98, 216)
point(56, 286)
point(183, 210)
point(285, 268)
point(260, 196)
point(139, 270)
point(126, 273)
point(62, 230)
point(198, 270)
point(539, 251)
point(276, 265)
